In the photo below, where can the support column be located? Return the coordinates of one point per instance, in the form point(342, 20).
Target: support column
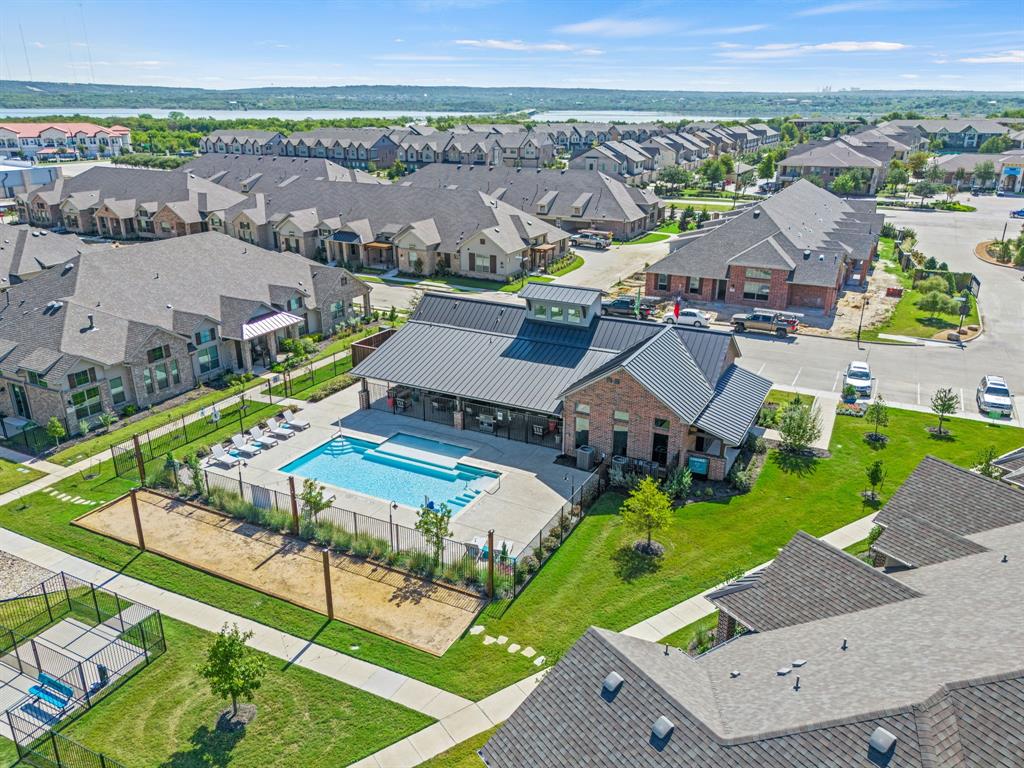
point(364, 396)
point(246, 347)
point(726, 627)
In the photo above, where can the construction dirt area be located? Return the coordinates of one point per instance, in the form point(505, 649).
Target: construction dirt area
point(422, 614)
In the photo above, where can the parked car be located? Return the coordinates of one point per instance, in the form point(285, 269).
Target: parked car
point(1019, 214)
point(766, 321)
point(858, 376)
point(584, 240)
point(994, 396)
point(688, 316)
point(626, 307)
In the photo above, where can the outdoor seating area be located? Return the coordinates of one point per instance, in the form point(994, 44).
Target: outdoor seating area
point(65, 643)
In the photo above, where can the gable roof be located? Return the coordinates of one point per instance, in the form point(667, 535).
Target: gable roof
point(259, 173)
point(567, 294)
point(25, 250)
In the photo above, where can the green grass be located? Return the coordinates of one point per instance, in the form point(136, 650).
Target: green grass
point(781, 397)
point(572, 266)
point(14, 475)
point(650, 237)
point(681, 205)
point(592, 579)
point(205, 397)
point(462, 755)
point(858, 548)
point(8, 754)
point(336, 346)
point(518, 285)
point(165, 715)
point(681, 638)
point(302, 382)
point(908, 320)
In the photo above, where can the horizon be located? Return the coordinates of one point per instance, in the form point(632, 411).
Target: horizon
point(797, 46)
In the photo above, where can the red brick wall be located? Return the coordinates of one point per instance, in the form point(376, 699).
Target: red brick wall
point(812, 296)
point(678, 286)
point(621, 392)
point(778, 293)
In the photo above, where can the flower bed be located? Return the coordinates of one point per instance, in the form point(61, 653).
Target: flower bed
point(851, 409)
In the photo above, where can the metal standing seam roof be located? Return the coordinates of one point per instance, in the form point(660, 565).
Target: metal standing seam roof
point(272, 321)
point(565, 294)
point(738, 398)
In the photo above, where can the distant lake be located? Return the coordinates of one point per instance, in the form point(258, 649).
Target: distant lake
point(558, 116)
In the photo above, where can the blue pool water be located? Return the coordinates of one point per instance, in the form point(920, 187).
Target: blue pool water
point(404, 468)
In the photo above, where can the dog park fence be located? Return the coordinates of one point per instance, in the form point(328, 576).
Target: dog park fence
point(54, 750)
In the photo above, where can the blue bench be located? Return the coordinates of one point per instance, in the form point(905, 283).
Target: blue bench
point(50, 698)
point(54, 684)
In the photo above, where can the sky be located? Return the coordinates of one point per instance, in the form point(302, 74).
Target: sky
point(736, 45)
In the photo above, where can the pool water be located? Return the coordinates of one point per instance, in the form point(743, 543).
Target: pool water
point(405, 468)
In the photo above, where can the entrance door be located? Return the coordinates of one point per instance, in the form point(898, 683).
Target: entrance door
point(659, 449)
point(720, 292)
point(20, 399)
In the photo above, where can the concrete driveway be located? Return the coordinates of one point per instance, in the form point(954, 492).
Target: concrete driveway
point(603, 268)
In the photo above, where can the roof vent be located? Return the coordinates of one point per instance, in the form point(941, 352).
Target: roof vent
point(756, 213)
point(92, 323)
point(821, 257)
point(734, 674)
point(799, 662)
point(783, 671)
point(612, 683)
point(807, 254)
point(662, 728)
point(882, 741)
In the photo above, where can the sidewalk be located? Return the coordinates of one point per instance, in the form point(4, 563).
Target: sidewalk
point(427, 699)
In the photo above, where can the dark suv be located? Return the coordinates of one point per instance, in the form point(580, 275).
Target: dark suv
point(626, 307)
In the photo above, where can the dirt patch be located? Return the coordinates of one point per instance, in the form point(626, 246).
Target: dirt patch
point(425, 615)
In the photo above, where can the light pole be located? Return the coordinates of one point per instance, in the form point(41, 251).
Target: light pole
point(860, 324)
point(572, 491)
point(391, 523)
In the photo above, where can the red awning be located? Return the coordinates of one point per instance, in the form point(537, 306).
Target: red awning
point(268, 323)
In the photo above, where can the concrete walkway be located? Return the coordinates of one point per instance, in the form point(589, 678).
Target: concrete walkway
point(427, 699)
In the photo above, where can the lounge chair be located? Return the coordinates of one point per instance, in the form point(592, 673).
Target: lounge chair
point(244, 448)
point(279, 429)
point(290, 420)
point(223, 457)
point(264, 439)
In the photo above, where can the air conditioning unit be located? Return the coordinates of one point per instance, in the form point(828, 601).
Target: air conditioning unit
point(585, 458)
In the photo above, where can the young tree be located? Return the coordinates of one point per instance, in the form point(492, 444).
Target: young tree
point(107, 418)
point(877, 413)
point(433, 523)
point(799, 426)
point(935, 303)
point(232, 669)
point(195, 474)
point(960, 175)
point(924, 189)
point(713, 172)
point(944, 404)
point(55, 429)
point(986, 465)
point(934, 174)
point(876, 476)
point(897, 177)
point(984, 172)
point(728, 164)
point(845, 184)
point(312, 497)
point(917, 162)
point(648, 509)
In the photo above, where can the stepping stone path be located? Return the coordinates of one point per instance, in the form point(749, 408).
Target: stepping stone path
point(477, 629)
point(513, 648)
point(539, 661)
point(528, 652)
point(502, 639)
point(70, 499)
point(488, 640)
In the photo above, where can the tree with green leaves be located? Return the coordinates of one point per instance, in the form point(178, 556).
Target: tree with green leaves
point(766, 168)
point(986, 463)
point(435, 525)
point(960, 175)
point(945, 403)
point(789, 132)
point(647, 510)
point(728, 164)
point(917, 162)
point(924, 189)
point(897, 177)
point(799, 426)
point(877, 413)
point(107, 419)
point(232, 669)
point(934, 173)
point(313, 498)
point(984, 172)
point(845, 184)
point(995, 145)
point(876, 476)
point(675, 174)
point(712, 172)
point(934, 303)
point(195, 474)
point(56, 430)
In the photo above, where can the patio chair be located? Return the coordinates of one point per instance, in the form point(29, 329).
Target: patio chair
point(290, 420)
point(222, 457)
point(279, 429)
point(264, 439)
point(244, 448)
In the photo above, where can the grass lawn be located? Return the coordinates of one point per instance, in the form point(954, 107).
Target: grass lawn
point(302, 382)
point(14, 475)
point(681, 205)
point(681, 638)
point(908, 320)
point(781, 397)
point(462, 755)
point(342, 344)
point(519, 284)
point(165, 715)
point(650, 237)
point(592, 580)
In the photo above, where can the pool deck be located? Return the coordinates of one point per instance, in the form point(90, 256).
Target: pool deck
point(528, 493)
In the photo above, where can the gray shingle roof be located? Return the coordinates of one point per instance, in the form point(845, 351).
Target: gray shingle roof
point(266, 172)
point(916, 543)
point(809, 580)
point(25, 250)
point(803, 228)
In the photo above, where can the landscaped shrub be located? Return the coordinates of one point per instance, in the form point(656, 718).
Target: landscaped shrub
point(741, 480)
point(422, 564)
point(331, 387)
point(756, 444)
point(528, 563)
point(850, 409)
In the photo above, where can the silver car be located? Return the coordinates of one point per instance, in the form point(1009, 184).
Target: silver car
point(994, 396)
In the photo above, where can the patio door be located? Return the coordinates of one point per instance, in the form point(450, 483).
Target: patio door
point(20, 399)
point(720, 292)
point(659, 449)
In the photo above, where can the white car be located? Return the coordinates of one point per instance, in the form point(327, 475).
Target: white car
point(858, 376)
point(688, 316)
point(994, 396)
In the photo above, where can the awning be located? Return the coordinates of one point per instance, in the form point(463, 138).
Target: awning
point(544, 247)
point(345, 237)
point(375, 244)
point(264, 324)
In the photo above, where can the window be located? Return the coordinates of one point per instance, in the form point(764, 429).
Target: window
point(662, 423)
point(162, 380)
point(205, 337)
point(573, 315)
point(759, 274)
point(621, 415)
point(662, 282)
point(483, 241)
point(755, 291)
point(582, 408)
point(693, 286)
point(81, 378)
point(165, 226)
point(147, 379)
point(338, 311)
point(557, 313)
point(582, 431)
point(158, 353)
point(87, 402)
point(37, 379)
point(540, 310)
point(209, 359)
point(620, 440)
point(295, 303)
point(117, 390)
point(175, 374)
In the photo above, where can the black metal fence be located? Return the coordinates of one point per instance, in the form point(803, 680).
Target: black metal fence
point(54, 750)
point(33, 439)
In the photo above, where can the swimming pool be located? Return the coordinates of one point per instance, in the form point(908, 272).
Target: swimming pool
point(404, 468)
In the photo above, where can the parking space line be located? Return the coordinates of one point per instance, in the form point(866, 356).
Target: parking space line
point(797, 376)
point(761, 368)
point(919, 393)
point(961, 400)
point(835, 382)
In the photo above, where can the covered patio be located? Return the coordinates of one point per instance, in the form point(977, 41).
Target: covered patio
point(261, 334)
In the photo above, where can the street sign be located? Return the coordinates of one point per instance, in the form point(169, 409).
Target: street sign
point(975, 286)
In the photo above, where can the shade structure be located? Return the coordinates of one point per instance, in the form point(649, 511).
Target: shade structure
point(271, 321)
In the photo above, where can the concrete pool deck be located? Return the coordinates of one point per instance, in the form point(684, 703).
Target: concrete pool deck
point(528, 494)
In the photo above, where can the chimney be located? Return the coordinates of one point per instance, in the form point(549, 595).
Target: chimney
point(92, 322)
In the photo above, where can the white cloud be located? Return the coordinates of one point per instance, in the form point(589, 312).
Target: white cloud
point(727, 30)
point(791, 50)
point(520, 45)
point(853, 5)
point(416, 57)
point(37, 44)
point(1004, 57)
point(611, 27)
point(398, 40)
point(910, 76)
point(728, 45)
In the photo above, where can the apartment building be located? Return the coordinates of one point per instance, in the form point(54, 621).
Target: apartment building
point(42, 140)
point(627, 159)
point(956, 134)
point(250, 173)
point(242, 142)
point(828, 159)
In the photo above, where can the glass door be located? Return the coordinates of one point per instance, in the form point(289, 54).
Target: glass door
point(20, 399)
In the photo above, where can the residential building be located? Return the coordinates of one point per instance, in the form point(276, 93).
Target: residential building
point(17, 176)
point(836, 664)
point(135, 326)
point(236, 142)
point(363, 148)
point(555, 372)
point(126, 203)
point(248, 174)
point(961, 134)
point(958, 170)
point(26, 251)
point(794, 250)
point(904, 141)
point(389, 226)
point(569, 199)
point(827, 160)
point(39, 140)
point(627, 159)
